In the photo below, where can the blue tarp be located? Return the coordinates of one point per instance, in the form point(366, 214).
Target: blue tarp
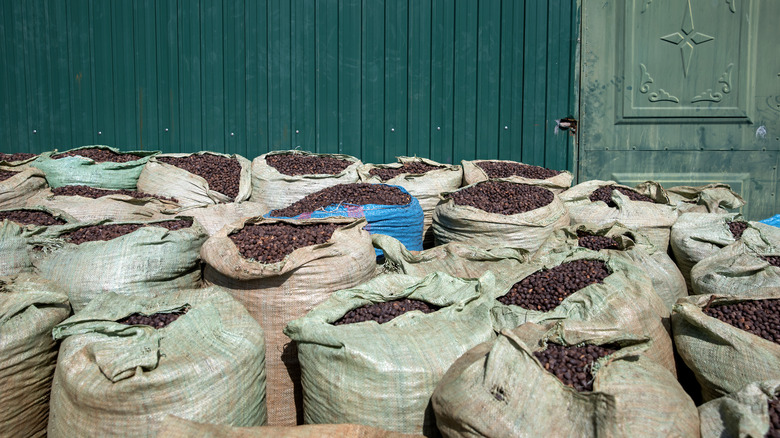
point(773, 221)
point(404, 222)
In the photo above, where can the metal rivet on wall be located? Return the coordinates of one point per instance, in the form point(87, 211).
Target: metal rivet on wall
point(166, 129)
point(100, 132)
point(35, 131)
point(297, 131)
point(232, 134)
point(506, 127)
point(392, 129)
point(438, 128)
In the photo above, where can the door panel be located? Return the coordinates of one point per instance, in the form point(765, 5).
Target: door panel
point(683, 92)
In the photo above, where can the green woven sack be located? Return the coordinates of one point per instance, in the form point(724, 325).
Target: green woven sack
point(147, 262)
point(723, 357)
point(499, 389)
point(19, 188)
point(382, 375)
point(653, 219)
point(457, 259)
point(16, 255)
point(711, 198)
point(122, 380)
point(741, 414)
point(667, 280)
point(625, 303)
point(29, 308)
point(84, 171)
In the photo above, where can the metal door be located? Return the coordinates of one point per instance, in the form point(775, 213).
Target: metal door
point(683, 92)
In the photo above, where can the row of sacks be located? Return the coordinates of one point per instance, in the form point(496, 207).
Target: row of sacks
point(276, 293)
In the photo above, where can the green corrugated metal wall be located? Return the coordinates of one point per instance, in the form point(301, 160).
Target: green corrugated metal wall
point(443, 79)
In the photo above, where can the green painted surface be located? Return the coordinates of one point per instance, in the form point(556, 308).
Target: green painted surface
point(372, 78)
point(686, 90)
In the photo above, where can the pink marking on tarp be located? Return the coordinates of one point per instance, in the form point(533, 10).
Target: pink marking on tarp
point(355, 211)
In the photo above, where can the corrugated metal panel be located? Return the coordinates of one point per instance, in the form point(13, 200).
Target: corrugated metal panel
point(373, 78)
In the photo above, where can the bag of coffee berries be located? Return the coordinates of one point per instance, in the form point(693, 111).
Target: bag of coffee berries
point(127, 361)
point(558, 381)
point(456, 259)
point(29, 308)
point(483, 170)
point(199, 179)
point(389, 210)
point(19, 160)
point(618, 240)
point(214, 217)
point(606, 202)
point(422, 178)
point(727, 341)
point(17, 186)
point(586, 287)
point(95, 166)
point(751, 262)
point(753, 411)
point(18, 226)
point(499, 214)
point(696, 236)
point(90, 204)
point(279, 270)
point(280, 178)
point(175, 427)
point(373, 354)
point(712, 198)
point(143, 259)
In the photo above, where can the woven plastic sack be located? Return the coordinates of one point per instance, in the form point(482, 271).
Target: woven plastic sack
point(667, 280)
point(16, 190)
point(122, 380)
point(467, 224)
point(214, 217)
point(696, 236)
point(473, 174)
point(275, 190)
point(723, 357)
point(425, 187)
point(84, 171)
point(711, 198)
point(29, 309)
point(456, 259)
point(741, 414)
point(146, 263)
point(500, 389)
point(277, 293)
point(175, 427)
point(163, 179)
point(383, 375)
point(403, 222)
point(652, 219)
point(625, 302)
point(114, 207)
point(739, 268)
point(17, 257)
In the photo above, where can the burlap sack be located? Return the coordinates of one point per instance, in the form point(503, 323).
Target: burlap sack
point(500, 389)
point(711, 198)
point(276, 293)
point(696, 236)
point(275, 190)
point(467, 224)
point(740, 414)
point(425, 187)
point(18, 189)
point(175, 427)
point(667, 280)
point(653, 219)
point(456, 259)
point(29, 308)
point(148, 262)
point(739, 268)
point(113, 207)
point(163, 179)
point(119, 380)
point(214, 217)
point(473, 174)
point(382, 375)
point(84, 171)
point(625, 303)
point(723, 357)
point(18, 164)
